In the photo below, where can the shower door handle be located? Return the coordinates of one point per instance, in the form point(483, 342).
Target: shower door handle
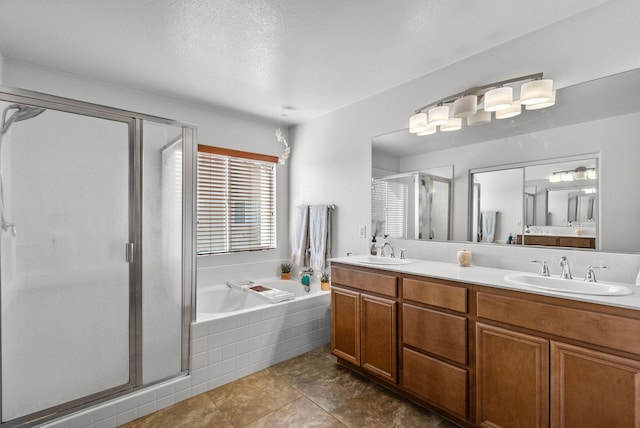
point(129, 252)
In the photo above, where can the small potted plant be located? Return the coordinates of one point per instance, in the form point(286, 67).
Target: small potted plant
point(325, 278)
point(285, 271)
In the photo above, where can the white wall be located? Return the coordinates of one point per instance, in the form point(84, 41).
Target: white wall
point(215, 128)
point(331, 158)
point(501, 191)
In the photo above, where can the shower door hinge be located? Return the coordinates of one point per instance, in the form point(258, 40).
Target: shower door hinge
point(129, 252)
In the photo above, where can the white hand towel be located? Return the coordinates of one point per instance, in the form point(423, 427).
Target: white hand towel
point(318, 235)
point(300, 235)
point(488, 226)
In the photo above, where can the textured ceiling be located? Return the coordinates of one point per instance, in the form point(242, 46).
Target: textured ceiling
point(254, 56)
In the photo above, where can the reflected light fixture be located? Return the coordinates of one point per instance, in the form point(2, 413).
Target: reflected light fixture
point(513, 110)
point(480, 118)
point(535, 93)
point(555, 178)
point(453, 124)
point(430, 129)
point(580, 173)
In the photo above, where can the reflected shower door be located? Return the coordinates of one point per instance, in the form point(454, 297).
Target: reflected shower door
point(65, 281)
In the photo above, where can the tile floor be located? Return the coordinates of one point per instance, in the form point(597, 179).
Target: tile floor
point(310, 390)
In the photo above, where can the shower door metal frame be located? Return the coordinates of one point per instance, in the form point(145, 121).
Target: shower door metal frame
point(134, 122)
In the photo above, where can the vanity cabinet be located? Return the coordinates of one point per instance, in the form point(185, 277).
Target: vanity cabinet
point(512, 378)
point(364, 320)
point(434, 343)
point(519, 374)
point(489, 357)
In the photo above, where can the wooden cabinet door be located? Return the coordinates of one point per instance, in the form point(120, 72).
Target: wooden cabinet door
point(378, 341)
point(592, 389)
point(512, 379)
point(435, 381)
point(345, 324)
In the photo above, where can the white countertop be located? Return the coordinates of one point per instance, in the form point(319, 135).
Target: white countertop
point(492, 277)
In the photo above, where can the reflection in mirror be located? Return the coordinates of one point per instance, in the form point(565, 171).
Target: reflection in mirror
point(567, 210)
point(497, 212)
point(413, 205)
point(575, 128)
point(527, 205)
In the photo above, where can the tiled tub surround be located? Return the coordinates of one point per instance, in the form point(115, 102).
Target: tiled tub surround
point(237, 344)
point(224, 349)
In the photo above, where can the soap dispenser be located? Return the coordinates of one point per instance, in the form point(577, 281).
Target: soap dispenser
point(374, 248)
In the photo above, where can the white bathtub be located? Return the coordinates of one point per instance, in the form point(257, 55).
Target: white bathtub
point(238, 333)
point(216, 301)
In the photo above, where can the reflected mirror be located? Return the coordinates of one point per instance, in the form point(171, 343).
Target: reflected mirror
point(597, 120)
point(552, 204)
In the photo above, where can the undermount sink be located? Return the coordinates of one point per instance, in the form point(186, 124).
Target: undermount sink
point(575, 286)
point(377, 260)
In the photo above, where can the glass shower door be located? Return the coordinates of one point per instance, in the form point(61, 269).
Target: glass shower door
point(66, 329)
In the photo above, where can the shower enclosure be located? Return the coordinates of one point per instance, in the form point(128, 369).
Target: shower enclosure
point(413, 205)
point(96, 253)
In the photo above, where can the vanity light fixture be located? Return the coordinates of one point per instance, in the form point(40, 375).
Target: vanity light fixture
point(498, 99)
point(439, 115)
point(536, 93)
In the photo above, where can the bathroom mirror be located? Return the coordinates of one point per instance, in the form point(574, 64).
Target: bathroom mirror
point(599, 119)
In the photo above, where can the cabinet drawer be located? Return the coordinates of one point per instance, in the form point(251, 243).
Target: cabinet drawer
point(433, 293)
point(367, 281)
point(436, 382)
point(435, 332)
point(578, 324)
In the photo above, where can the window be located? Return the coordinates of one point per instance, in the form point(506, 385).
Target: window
point(390, 206)
point(236, 201)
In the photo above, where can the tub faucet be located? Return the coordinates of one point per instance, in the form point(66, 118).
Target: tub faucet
point(384, 252)
point(306, 272)
point(566, 270)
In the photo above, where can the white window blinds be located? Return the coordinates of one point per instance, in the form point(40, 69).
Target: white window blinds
point(390, 206)
point(236, 201)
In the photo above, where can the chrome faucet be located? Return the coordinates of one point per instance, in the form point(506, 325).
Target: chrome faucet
point(544, 271)
point(591, 275)
point(306, 272)
point(403, 253)
point(566, 270)
point(383, 252)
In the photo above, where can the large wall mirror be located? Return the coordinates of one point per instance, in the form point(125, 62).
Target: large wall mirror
point(504, 169)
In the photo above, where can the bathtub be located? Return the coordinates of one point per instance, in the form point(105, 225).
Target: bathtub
point(220, 300)
point(237, 333)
